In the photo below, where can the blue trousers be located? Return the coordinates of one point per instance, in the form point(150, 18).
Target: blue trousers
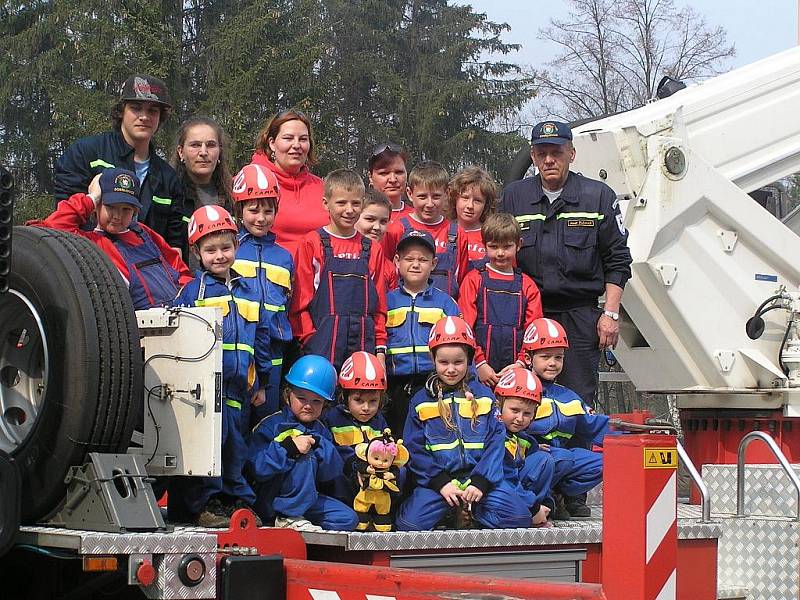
point(272, 394)
point(577, 470)
point(232, 483)
point(295, 494)
point(501, 508)
point(536, 479)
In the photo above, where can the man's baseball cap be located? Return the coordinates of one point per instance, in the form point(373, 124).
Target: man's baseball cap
point(119, 186)
point(146, 89)
point(551, 132)
point(413, 236)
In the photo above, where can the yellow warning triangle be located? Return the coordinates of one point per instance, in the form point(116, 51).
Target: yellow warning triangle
point(652, 460)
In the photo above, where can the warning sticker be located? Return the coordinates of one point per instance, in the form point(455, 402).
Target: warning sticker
point(660, 458)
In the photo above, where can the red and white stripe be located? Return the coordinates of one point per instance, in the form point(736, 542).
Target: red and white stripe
point(661, 520)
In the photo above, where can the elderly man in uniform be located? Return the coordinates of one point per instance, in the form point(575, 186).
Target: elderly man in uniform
point(574, 246)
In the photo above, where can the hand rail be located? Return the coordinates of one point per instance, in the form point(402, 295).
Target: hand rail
point(705, 497)
point(776, 451)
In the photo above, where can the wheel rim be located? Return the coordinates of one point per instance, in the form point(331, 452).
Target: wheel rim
point(24, 363)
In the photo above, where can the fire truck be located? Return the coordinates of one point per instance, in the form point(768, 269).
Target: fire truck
point(97, 400)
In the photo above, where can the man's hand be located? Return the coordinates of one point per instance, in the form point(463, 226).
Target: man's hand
point(381, 356)
point(451, 493)
point(607, 331)
point(487, 376)
point(259, 397)
point(304, 443)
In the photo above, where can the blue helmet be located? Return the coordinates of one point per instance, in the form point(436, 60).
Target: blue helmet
point(315, 374)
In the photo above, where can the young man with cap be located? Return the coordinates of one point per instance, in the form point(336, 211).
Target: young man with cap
point(152, 269)
point(575, 248)
point(412, 310)
point(143, 106)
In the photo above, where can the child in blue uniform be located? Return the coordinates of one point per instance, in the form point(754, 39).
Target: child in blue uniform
point(291, 452)
point(245, 360)
point(455, 442)
point(413, 308)
point(527, 468)
point(357, 417)
point(563, 423)
point(268, 267)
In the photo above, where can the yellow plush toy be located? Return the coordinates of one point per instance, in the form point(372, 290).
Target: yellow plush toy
point(377, 469)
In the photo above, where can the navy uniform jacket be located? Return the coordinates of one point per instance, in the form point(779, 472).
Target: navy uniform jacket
point(574, 246)
point(162, 195)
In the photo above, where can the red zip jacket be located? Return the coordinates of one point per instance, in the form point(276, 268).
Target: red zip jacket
point(468, 297)
point(301, 209)
point(439, 234)
point(72, 213)
point(309, 262)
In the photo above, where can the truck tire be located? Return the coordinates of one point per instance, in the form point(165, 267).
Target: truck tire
point(70, 362)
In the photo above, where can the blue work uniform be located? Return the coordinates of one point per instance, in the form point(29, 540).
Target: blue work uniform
point(245, 368)
point(572, 248)
point(528, 470)
point(468, 454)
point(564, 422)
point(286, 481)
point(409, 319)
point(269, 268)
point(500, 321)
point(343, 306)
point(444, 276)
point(152, 281)
point(162, 195)
point(347, 432)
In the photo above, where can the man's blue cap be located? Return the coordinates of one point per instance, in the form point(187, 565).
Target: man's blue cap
point(119, 186)
point(413, 236)
point(551, 132)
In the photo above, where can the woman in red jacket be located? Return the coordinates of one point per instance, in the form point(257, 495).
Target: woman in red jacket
point(286, 147)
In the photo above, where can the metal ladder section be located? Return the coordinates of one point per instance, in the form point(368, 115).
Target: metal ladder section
point(705, 496)
point(779, 455)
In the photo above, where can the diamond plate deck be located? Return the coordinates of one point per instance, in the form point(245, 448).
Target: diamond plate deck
point(768, 490)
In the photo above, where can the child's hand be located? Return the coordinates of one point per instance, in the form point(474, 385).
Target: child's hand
point(541, 516)
point(94, 192)
point(304, 443)
point(487, 376)
point(471, 495)
point(259, 397)
point(451, 493)
point(545, 447)
point(511, 366)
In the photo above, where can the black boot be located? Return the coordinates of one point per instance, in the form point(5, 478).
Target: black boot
point(576, 506)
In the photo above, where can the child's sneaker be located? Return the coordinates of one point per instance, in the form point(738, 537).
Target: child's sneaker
point(297, 523)
point(214, 515)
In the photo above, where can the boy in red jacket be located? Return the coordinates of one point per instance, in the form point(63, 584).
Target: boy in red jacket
point(339, 295)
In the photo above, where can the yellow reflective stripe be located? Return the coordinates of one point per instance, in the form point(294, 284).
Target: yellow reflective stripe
point(99, 162)
point(406, 349)
point(277, 362)
point(244, 347)
point(233, 403)
point(245, 268)
point(248, 309)
point(349, 435)
point(186, 219)
point(465, 407)
point(473, 445)
point(557, 434)
point(288, 433)
point(278, 275)
point(216, 302)
point(524, 443)
point(526, 218)
point(274, 307)
point(580, 215)
point(429, 315)
point(461, 486)
point(427, 410)
point(545, 409)
point(438, 447)
point(164, 201)
point(572, 408)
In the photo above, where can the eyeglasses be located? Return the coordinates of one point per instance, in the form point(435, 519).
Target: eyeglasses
point(381, 148)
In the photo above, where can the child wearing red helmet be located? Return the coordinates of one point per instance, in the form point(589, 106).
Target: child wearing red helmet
point(528, 469)
point(245, 359)
point(564, 425)
point(456, 442)
point(267, 266)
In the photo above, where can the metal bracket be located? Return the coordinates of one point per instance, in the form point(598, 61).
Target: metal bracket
point(725, 359)
point(728, 239)
point(668, 273)
point(110, 492)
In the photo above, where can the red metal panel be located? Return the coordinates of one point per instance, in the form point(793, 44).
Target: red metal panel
point(639, 517)
point(331, 581)
point(697, 569)
point(243, 533)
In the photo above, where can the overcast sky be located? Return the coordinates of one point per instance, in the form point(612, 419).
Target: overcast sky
point(758, 29)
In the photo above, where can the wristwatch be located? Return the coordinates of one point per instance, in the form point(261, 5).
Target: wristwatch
point(611, 315)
